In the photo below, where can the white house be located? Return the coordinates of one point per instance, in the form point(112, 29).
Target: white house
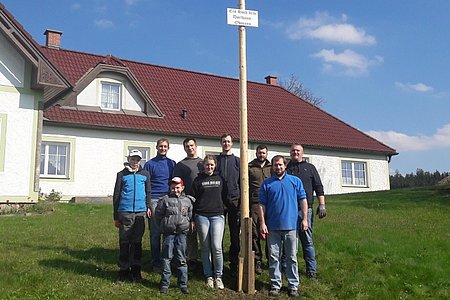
point(68, 119)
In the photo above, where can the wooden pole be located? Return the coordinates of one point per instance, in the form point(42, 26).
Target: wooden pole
point(245, 246)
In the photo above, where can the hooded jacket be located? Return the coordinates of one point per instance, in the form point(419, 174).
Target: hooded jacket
point(173, 214)
point(131, 191)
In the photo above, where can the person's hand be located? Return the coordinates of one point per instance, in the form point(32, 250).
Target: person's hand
point(304, 225)
point(321, 211)
point(192, 227)
point(263, 231)
point(149, 213)
point(117, 223)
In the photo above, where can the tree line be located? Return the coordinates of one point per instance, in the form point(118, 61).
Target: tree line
point(420, 178)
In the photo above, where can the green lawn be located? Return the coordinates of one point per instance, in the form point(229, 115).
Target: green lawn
point(380, 245)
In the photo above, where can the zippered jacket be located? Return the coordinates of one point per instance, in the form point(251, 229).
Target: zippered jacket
point(228, 167)
point(174, 214)
point(131, 191)
point(256, 175)
point(310, 178)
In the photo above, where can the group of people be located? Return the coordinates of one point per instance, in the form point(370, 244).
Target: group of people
point(187, 202)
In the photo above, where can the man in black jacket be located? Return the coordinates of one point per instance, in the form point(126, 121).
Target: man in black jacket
point(311, 182)
point(228, 166)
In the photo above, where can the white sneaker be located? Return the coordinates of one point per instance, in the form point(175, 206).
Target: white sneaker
point(219, 283)
point(210, 282)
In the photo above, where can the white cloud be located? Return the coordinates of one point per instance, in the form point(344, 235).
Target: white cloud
point(416, 87)
point(406, 143)
point(347, 62)
point(329, 29)
point(104, 23)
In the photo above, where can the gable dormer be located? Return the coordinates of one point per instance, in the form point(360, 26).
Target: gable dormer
point(111, 87)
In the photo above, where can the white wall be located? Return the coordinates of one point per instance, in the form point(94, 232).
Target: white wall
point(17, 107)
point(99, 155)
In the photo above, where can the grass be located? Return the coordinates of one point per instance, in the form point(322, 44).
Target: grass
point(379, 245)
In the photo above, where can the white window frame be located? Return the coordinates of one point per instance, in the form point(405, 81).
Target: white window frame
point(149, 148)
point(109, 94)
point(45, 146)
point(356, 179)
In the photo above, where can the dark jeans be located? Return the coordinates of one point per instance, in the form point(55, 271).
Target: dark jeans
point(131, 230)
point(256, 240)
point(174, 245)
point(234, 226)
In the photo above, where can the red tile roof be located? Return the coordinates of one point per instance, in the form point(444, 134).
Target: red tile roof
point(212, 104)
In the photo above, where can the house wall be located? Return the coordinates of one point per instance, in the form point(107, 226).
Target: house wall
point(18, 123)
point(98, 155)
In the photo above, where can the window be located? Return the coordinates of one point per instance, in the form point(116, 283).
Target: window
point(110, 98)
point(55, 159)
point(354, 173)
point(145, 153)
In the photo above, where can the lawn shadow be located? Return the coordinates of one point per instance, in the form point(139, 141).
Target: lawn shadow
point(90, 262)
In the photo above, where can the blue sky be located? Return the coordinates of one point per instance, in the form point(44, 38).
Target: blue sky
point(381, 66)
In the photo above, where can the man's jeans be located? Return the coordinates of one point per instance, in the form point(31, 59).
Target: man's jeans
point(210, 232)
point(288, 241)
point(131, 230)
point(174, 245)
point(309, 253)
point(155, 236)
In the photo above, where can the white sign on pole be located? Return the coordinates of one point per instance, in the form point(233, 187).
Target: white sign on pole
point(241, 17)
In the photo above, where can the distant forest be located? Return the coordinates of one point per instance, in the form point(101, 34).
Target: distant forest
point(420, 178)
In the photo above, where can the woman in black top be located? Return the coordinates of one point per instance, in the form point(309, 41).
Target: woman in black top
point(209, 191)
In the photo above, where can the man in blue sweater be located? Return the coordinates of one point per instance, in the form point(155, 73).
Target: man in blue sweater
point(160, 169)
point(280, 198)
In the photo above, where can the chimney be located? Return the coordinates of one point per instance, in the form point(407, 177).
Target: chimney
point(272, 80)
point(53, 38)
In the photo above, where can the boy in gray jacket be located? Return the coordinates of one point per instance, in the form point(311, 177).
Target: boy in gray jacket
point(173, 215)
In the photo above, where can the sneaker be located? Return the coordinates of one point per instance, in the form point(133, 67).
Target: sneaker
point(184, 290)
point(210, 282)
point(219, 283)
point(163, 290)
point(293, 293)
point(274, 292)
point(311, 275)
point(258, 268)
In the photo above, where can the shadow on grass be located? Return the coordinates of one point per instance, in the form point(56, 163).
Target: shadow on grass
point(89, 262)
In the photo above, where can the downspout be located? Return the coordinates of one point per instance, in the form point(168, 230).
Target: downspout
point(37, 158)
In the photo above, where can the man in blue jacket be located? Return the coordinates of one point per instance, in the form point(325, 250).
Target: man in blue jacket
point(131, 203)
point(160, 169)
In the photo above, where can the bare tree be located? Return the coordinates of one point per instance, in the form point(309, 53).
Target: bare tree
point(296, 87)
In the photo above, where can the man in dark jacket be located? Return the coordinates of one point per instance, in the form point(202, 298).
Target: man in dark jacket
point(258, 171)
point(311, 181)
point(131, 203)
point(228, 166)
